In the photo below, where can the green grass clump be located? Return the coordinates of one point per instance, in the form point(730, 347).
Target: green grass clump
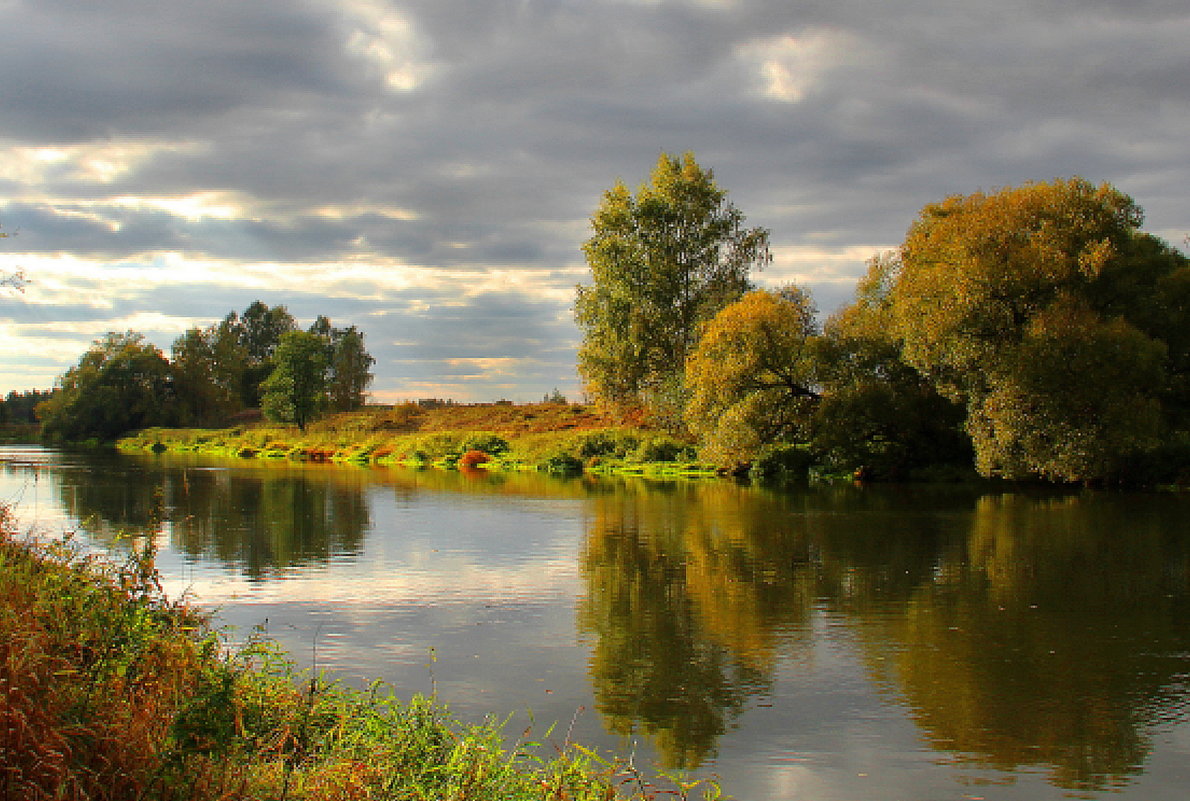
point(110, 692)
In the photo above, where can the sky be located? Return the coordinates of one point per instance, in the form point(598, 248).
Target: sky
point(426, 169)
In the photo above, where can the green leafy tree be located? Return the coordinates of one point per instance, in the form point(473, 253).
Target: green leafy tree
point(349, 364)
point(351, 371)
point(206, 375)
point(663, 262)
point(19, 407)
point(296, 389)
point(120, 384)
point(985, 284)
point(753, 379)
point(257, 333)
point(1079, 394)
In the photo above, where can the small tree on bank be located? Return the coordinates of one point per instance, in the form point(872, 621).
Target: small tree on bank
point(295, 392)
point(753, 377)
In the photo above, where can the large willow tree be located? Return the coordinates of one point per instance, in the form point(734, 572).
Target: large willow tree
point(1053, 319)
point(663, 261)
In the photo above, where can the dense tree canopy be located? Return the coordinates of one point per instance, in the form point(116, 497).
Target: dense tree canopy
point(348, 364)
point(122, 383)
point(257, 332)
point(1054, 320)
point(208, 370)
point(754, 375)
point(663, 262)
point(878, 415)
point(19, 407)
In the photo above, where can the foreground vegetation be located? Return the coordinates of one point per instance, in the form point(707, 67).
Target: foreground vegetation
point(109, 691)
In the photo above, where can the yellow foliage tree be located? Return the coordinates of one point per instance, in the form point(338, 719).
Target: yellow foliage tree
point(1029, 305)
point(752, 378)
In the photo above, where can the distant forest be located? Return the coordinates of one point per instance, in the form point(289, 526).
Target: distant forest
point(255, 359)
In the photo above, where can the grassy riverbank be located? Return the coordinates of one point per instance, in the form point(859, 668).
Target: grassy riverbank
point(560, 438)
point(110, 691)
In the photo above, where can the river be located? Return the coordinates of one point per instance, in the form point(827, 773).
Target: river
point(815, 644)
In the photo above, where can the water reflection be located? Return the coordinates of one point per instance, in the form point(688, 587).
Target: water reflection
point(690, 598)
point(1056, 637)
point(268, 523)
point(262, 522)
point(1020, 632)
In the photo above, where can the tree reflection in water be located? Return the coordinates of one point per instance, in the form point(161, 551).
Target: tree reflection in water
point(688, 603)
point(1019, 631)
point(263, 522)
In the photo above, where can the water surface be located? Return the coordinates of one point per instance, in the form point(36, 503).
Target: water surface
point(816, 644)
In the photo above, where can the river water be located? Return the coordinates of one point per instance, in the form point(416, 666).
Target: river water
point(817, 644)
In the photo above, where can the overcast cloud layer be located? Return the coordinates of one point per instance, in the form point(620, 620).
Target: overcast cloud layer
point(426, 169)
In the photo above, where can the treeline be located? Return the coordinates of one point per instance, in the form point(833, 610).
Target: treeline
point(257, 359)
point(20, 408)
point(1033, 333)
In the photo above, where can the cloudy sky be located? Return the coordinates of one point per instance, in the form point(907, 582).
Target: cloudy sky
point(426, 169)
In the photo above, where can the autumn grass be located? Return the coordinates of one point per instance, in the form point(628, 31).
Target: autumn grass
point(558, 438)
point(109, 691)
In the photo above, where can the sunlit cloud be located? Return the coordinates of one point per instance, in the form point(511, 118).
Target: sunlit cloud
point(789, 67)
point(94, 163)
point(346, 212)
point(486, 368)
point(196, 206)
point(426, 170)
point(386, 39)
point(807, 264)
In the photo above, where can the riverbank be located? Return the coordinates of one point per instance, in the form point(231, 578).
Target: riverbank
point(19, 433)
point(557, 438)
point(111, 691)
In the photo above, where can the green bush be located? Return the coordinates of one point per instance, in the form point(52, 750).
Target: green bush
point(562, 463)
point(663, 449)
point(489, 443)
point(440, 445)
point(597, 443)
point(783, 461)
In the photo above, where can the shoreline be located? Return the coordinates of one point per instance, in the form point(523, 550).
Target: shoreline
point(121, 693)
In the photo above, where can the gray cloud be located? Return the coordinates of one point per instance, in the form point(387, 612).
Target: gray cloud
point(463, 138)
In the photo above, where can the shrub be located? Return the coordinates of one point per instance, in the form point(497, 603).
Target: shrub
point(562, 463)
point(473, 457)
point(783, 462)
point(487, 442)
point(598, 443)
point(440, 445)
point(663, 449)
